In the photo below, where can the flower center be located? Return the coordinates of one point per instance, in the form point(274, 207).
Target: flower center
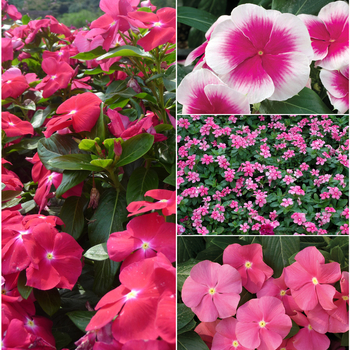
point(345, 297)
point(3, 291)
point(260, 53)
point(248, 264)
point(9, 82)
point(282, 292)
point(30, 323)
point(11, 124)
point(145, 246)
point(157, 24)
point(131, 295)
point(331, 40)
point(262, 324)
point(283, 349)
point(112, 24)
point(50, 177)
point(212, 291)
point(72, 112)
point(163, 201)
point(314, 281)
point(235, 343)
point(60, 53)
point(310, 328)
point(53, 77)
point(49, 256)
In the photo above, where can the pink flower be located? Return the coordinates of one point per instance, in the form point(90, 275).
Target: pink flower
point(14, 126)
point(202, 92)
point(248, 260)
point(206, 331)
point(329, 34)
point(262, 323)
point(212, 290)
point(337, 84)
point(286, 202)
point(298, 218)
point(225, 336)
point(13, 83)
point(266, 229)
point(261, 53)
point(309, 279)
point(245, 227)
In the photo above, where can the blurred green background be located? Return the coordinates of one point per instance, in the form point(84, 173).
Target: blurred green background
point(72, 13)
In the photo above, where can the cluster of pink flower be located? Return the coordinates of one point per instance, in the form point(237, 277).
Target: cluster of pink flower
point(256, 54)
point(254, 179)
point(49, 259)
point(304, 293)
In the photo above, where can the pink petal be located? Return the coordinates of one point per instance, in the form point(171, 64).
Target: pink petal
point(193, 292)
point(229, 280)
point(145, 227)
point(269, 340)
point(250, 312)
point(306, 296)
point(45, 277)
point(310, 258)
point(251, 79)
point(271, 307)
point(120, 245)
point(228, 47)
point(329, 273)
point(325, 294)
point(206, 273)
point(289, 73)
point(296, 276)
point(335, 83)
point(341, 104)
point(248, 334)
point(281, 324)
point(69, 269)
point(310, 340)
point(206, 310)
point(255, 280)
point(226, 304)
point(318, 319)
point(196, 53)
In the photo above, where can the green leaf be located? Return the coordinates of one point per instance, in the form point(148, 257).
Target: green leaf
point(190, 341)
point(87, 145)
point(193, 17)
point(345, 339)
point(293, 331)
point(126, 51)
point(55, 146)
point(70, 179)
point(141, 180)
point(90, 55)
point(40, 116)
point(188, 247)
point(103, 163)
point(109, 216)
point(72, 214)
point(49, 300)
point(337, 255)
point(104, 275)
point(297, 7)
point(25, 19)
point(188, 327)
point(134, 148)
point(62, 339)
point(263, 3)
point(183, 271)
point(74, 162)
point(278, 250)
point(8, 195)
point(21, 285)
point(172, 177)
point(184, 315)
point(81, 318)
point(97, 252)
point(163, 127)
point(306, 102)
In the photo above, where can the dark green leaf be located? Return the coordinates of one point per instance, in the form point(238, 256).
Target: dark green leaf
point(337, 255)
point(104, 275)
point(70, 179)
point(184, 315)
point(188, 247)
point(21, 285)
point(172, 177)
point(8, 195)
point(90, 55)
point(126, 51)
point(74, 162)
point(297, 7)
point(278, 250)
point(55, 146)
point(306, 102)
point(81, 318)
point(188, 327)
point(141, 180)
point(40, 116)
point(193, 17)
point(72, 214)
point(345, 339)
point(293, 331)
point(97, 252)
point(263, 3)
point(109, 216)
point(134, 148)
point(183, 271)
point(49, 300)
point(190, 341)
point(62, 339)
point(212, 253)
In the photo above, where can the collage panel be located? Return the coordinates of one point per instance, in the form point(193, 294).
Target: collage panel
point(263, 175)
point(267, 57)
point(263, 292)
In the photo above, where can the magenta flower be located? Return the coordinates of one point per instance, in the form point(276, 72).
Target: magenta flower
point(202, 92)
point(225, 336)
point(337, 84)
point(309, 279)
point(329, 34)
point(261, 53)
point(13, 83)
point(212, 290)
point(248, 260)
point(262, 323)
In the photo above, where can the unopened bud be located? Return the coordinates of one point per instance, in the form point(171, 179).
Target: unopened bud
point(94, 198)
point(118, 148)
point(134, 85)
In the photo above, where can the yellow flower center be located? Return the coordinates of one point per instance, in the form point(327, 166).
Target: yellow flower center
point(163, 201)
point(157, 24)
point(235, 344)
point(30, 323)
point(345, 297)
point(72, 112)
point(282, 292)
point(248, 264)
point(53, 77)
point(49, 256)
point(260, 53)
point(145, 246)
point(131, 295)
point(9, 82)
point(314, 281)
point(50, 177)
point(310, 328)
point(212, 291)
point(262, 324)
point(283, 349)
point(3, 291)
point(11, 124)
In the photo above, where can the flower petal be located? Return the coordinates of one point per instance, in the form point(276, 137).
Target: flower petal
point(226, 304)
point(193, 292)
point(325, 294)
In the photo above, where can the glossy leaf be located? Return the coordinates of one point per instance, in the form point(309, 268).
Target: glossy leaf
point(70, 179)
point(105, 272)
point(188, 247)
point(297, 7)
point(97, 252)
point(21, 285)
point(190, 341)
point(49, 300)
point(90, 55)
point(126, 50)
point(183, 271)
point(74, 162)
point(81, 318)
point(193, 17)
point(184, 315)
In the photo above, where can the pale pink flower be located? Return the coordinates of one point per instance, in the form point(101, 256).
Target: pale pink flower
point(262, 323)
point(248, 260)
point(212, 290)
point(261, 53)
point(309, 279)
point(298, 218)
point(286, 202)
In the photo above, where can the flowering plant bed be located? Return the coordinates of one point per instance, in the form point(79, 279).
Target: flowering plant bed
point(263, 175)
point(266, 57)
point(88, 147)
point(263, 293)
